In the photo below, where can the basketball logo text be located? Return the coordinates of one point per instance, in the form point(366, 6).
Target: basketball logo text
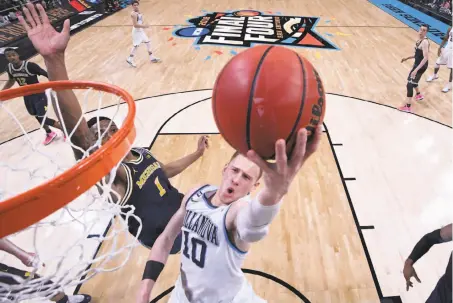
point(247, 27)
point(317, 108)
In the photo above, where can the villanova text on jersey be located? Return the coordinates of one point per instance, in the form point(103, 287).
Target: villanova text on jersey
point(201, 225)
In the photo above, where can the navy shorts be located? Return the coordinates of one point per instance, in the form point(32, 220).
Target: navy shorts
point(36, 104)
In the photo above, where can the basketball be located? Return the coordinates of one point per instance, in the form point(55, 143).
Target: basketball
point(264, 94)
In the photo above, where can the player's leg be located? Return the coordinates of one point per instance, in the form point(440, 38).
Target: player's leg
point(416, 80)
point(40, 109)
point(441, 60)
point(150, 51)
point(447, 87)
point(409, 93)
point(130, 59)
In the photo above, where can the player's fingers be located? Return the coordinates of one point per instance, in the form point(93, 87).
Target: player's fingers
point(42, 14)
point(300, 149)
point(66, 28)
point(35, 15)
point(255, 158)
point(281, 159)
point(23, 23)
point(314, 141)
point(416, 277)
point(28, 17)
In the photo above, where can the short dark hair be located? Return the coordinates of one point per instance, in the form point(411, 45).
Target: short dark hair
point(9, 49)
point(426, 25)
point(94, 120)
point(236, 153)
point(135, 2)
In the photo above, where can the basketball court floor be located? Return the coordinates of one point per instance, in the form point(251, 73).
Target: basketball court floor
point(380, 181)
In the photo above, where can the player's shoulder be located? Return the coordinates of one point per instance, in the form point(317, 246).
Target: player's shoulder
point(195, 193)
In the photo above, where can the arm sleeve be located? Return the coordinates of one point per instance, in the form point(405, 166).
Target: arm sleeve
point(36, 69)
point(425, 244)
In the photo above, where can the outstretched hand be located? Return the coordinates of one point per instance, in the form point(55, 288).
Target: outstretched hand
point(409, 272)
point(278, 176)
point(44, 37)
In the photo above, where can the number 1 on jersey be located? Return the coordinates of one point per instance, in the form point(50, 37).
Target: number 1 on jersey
point(162, 190)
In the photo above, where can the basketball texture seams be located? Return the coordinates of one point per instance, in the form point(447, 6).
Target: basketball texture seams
point(266, 93)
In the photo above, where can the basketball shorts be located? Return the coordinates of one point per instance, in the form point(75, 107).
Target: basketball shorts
point(418, 75)
point(245, 295)
point(8, 280)
point(139, 37)
point(36, 104)
point(442, 291)
point(446, 57)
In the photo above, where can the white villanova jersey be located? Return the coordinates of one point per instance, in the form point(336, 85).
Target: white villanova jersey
point(450, 40)
point(139, 21)
point(210, 263)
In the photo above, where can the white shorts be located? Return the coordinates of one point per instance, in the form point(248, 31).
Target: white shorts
point(245, 295)
point(446, 57)
point(139, 37)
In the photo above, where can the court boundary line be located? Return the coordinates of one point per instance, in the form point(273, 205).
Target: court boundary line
point(354, 216)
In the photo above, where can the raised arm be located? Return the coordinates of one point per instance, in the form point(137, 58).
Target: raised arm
point(248, 222)
point(52, 45)
point(176, 167)
point(161, 250)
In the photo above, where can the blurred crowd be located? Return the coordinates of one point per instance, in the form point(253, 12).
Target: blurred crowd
point(442, 6)
point(10, 8)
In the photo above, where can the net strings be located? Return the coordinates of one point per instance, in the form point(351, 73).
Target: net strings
point(75, 263)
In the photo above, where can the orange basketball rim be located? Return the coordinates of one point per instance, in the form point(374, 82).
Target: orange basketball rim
point(29, 207)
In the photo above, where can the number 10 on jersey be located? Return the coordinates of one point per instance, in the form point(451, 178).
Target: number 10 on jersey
point(194, 250)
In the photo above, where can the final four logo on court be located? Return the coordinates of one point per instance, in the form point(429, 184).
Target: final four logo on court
point(247, 27)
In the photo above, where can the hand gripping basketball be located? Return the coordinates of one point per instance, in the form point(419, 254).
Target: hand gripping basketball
point(278, 176)
point(44, 37)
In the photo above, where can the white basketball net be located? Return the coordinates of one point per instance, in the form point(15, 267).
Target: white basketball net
point(68, 240)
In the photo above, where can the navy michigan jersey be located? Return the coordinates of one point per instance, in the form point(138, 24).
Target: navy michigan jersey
point(26, 74)
point(151, 193)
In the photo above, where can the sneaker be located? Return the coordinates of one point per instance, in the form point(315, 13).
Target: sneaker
point(131, 62)
point(447, 88)
point(79, 299)
point(431, 78)
point(405, 108)
point(419, 97)
point(155, 60)
point(49, 138)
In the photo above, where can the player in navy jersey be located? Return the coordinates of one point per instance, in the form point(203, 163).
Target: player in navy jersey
point(141, 180)
point(25, 73)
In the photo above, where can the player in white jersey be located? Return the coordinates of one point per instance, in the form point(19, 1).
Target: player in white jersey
point(445, 57)
point(139, 36)
point(219, 224)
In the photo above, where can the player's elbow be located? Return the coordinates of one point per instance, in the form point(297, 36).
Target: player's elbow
point(253, 234)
